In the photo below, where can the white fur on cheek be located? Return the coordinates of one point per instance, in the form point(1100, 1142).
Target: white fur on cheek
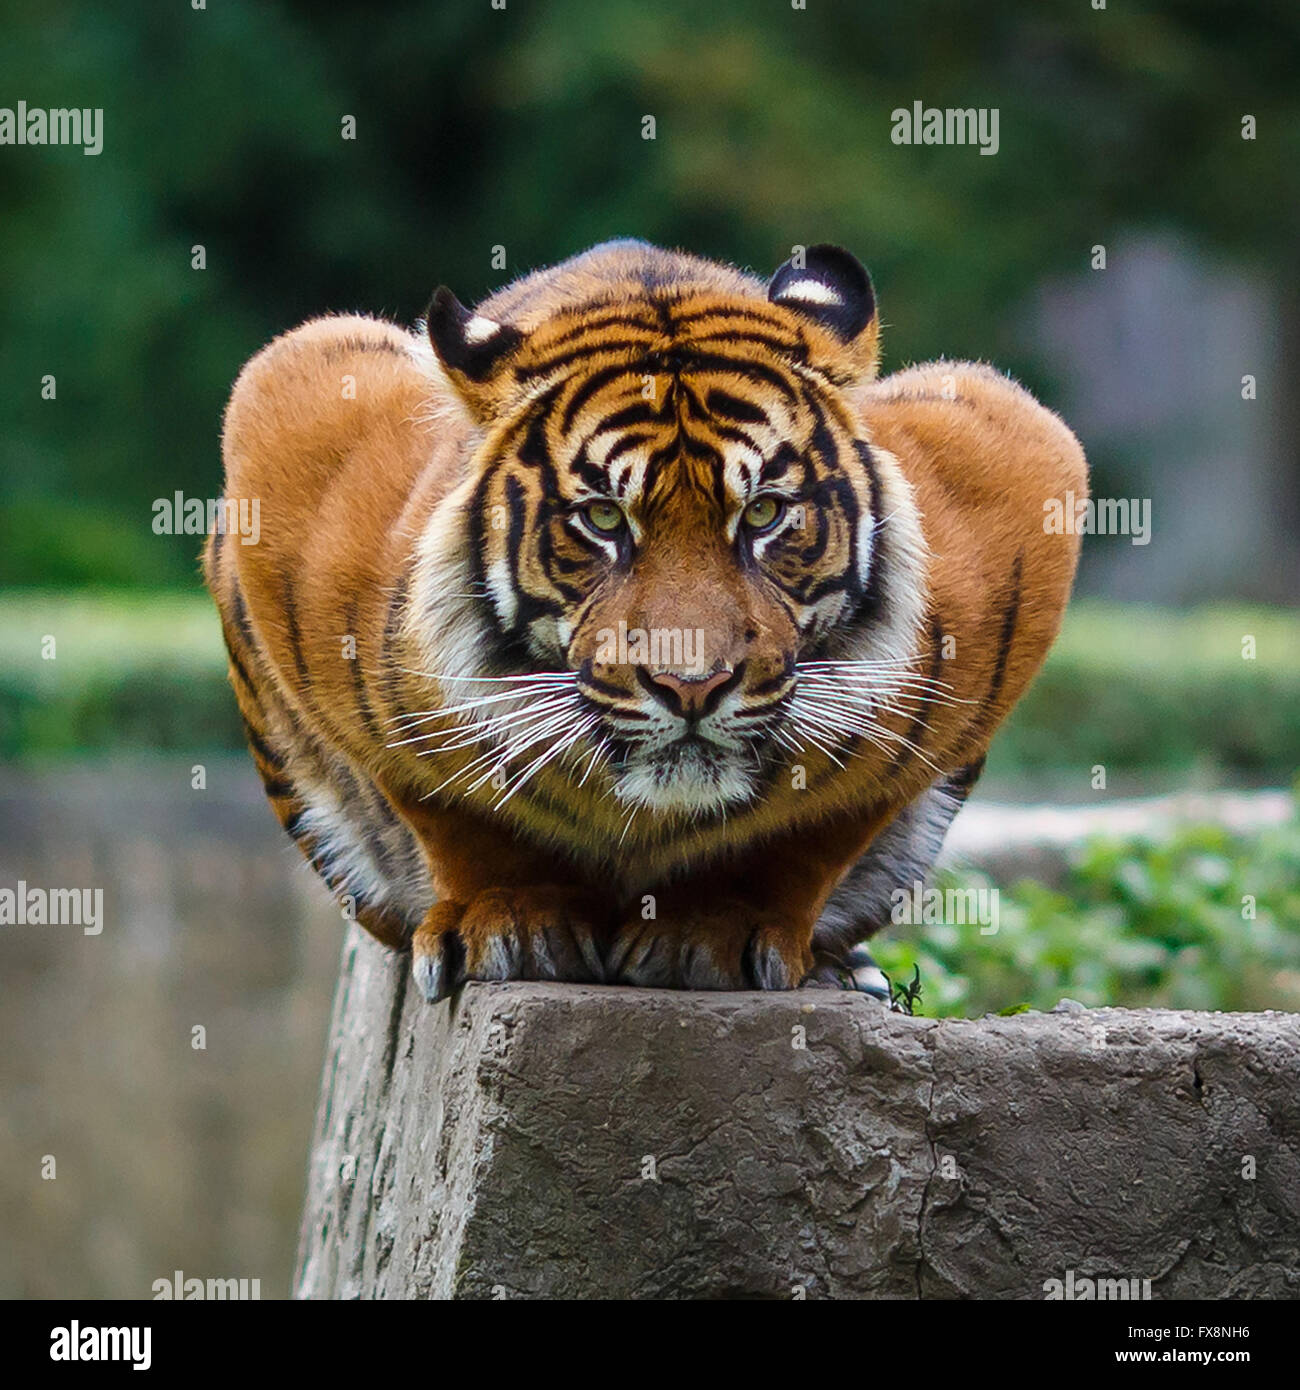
point(866, 544)
point(502, 590)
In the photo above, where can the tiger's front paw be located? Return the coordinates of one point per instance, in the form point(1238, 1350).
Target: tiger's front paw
point(539, 933)
point(728, 945)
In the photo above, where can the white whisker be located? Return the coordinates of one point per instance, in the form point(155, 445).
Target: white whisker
point(561, 746)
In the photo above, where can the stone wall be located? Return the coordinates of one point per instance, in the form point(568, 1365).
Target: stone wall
point(529, 1140)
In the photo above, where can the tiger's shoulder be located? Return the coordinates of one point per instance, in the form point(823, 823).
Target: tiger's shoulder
point(300, 401)
point(979, 431)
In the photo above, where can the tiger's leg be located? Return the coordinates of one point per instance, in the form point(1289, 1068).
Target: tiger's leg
point(747, 925)
point(706, 937)
point(338, 821)
point(504, 911)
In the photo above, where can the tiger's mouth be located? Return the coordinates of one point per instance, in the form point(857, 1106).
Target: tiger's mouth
point(691, 775)
point(696, 751)
point(693, 767)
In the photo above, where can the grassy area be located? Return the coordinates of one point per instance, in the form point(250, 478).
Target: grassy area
point(1205, 921)
point(1132, 687)
point(124, 673)
point(1127, 687)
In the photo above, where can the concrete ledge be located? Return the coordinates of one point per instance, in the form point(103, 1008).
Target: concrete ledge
point(570, 1141)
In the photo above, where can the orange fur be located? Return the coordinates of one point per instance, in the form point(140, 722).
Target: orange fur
point(381, 470)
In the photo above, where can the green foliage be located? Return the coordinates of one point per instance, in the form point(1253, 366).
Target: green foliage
point(1134, 926)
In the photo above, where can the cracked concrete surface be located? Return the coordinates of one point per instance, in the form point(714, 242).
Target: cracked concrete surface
point(529, 1140)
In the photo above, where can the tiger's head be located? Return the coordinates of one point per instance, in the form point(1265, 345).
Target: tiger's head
point(672, 501)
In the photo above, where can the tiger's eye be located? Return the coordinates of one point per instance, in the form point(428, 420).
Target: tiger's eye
point(604, 516)
point(763, 513)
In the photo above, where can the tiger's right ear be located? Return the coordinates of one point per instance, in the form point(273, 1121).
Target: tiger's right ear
point(471, 348)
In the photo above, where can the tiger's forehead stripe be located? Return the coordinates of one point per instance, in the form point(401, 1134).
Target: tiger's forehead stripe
point(565, 330)
point(672, 330)
point(570, 420)
point(677, 436)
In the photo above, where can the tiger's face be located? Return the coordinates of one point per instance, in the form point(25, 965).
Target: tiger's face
point(673, 502)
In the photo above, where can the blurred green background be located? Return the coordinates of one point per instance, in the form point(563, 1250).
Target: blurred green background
point(522, 128)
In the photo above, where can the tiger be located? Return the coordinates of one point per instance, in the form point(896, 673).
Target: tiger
point(630, 628)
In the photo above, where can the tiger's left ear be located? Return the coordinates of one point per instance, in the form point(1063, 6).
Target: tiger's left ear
point(471, 348)
point(830, 287)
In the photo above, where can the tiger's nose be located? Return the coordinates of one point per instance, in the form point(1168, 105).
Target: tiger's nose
point(690, 696)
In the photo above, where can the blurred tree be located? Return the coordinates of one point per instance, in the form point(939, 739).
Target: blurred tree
point(521, 128)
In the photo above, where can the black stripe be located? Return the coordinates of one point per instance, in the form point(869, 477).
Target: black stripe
point(641, 413)
point(629, 441)
point(597, 381)
point(873, 596)
point(780, 463)
point(735, 408)
point(980, 727)
point(961, 781)
point(834, 489)
point(295, 635)
point(729, 311)
point(261, 748)
point(687, 360)
point(528, 606)
point(871, 593)
point(622, 319)
point(928, 396)
point(594, 349)
point(213, 562)
point(333, 351)
point(358, 676)
point(391, 673)
point(783, 347)
point(583, 468)
point(242, 620)
point(777, 682)
point(594, 682)
point(552, 565)
point(740, 366)
point(1009, 616)
point(236, 664)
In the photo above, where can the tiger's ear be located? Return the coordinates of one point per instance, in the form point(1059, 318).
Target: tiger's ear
point(471, 348)
point(830, 287)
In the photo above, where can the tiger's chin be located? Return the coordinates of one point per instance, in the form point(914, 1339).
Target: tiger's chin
point(688, 778)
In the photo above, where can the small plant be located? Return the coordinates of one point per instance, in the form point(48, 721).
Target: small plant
point(903, 999)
